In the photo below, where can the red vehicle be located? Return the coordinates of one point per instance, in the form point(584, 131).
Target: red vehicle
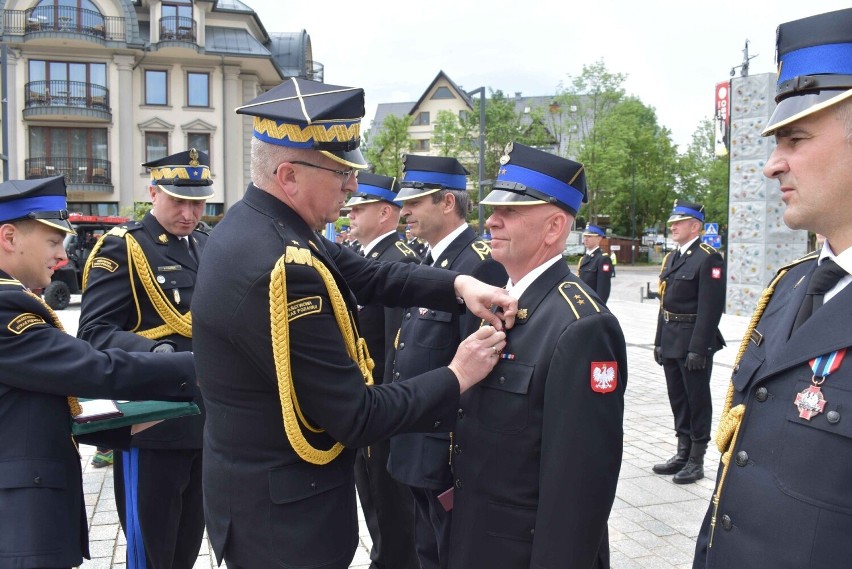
point(68, 275)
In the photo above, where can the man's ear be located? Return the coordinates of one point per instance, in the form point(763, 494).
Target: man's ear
point(8, 232)
point(285, 175)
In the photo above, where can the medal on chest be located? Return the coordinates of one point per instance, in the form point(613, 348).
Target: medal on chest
point(810, 401)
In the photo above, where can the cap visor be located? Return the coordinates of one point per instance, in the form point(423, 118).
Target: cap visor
point(351, 158)
point(411, 193)
point(794, 108)
point(188, 192)
point(680, 217)
point(505, 197)
point(360, 200)
point(60, 224)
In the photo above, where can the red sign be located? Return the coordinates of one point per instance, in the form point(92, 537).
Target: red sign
point(722, 118)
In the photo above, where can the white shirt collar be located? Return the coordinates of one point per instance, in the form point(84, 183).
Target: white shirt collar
point(592, 251)
point(375, 242)
point(516, 290)
point(442, 245)
point(844, 260)
point(686, 247)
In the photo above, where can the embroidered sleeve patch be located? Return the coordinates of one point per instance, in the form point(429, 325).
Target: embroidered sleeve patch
point(23, 321)
point(303, 307)
point(604, 376)
point(606, 268)
point(104, 263)
point(716, 273)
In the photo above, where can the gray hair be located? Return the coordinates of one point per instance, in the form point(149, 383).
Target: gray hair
point(463, 204)
point(266, 157)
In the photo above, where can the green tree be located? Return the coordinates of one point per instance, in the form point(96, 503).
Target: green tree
point(449, 135)
point(392, 141)
point(704, 176)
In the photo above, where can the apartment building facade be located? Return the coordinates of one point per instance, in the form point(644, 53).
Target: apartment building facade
point(95, 88)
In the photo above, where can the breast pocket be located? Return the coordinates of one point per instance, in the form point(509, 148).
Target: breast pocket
point(177, 285)
point(435, 329)
point(504, 397)
point(38, 489)
point(814, 462)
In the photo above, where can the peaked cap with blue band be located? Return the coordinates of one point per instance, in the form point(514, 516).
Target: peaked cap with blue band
point(185, 175)
point(686, 210)
point(42, 199)
point(300, 113)
point(814, 66)
point(424, 175)
point(374, 188)
point(594, 230)
point(529, 176)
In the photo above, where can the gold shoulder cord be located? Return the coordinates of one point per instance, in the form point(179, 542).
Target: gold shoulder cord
point(73, 402)
point(280, 331)
point(731, 418)
point(661, 288)
point(174, 321)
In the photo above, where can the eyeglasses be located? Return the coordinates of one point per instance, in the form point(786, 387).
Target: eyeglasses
point(345, 173)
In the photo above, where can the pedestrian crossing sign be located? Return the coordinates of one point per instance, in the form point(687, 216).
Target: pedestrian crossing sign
point(711, 229)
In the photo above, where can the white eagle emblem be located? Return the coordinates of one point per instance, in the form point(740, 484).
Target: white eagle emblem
point(604, 376)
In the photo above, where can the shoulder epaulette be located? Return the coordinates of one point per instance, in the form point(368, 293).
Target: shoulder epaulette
point(11, 282)
point(580, 302)
point(405, 249)
point(605, 254)
point(119, 232)
point(809, 257)
point(482, 249)
point(707, 248)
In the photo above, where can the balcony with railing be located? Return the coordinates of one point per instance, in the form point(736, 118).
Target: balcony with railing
point(59, 97)
point(77, 171)
point(178, 28)
point(63, 20)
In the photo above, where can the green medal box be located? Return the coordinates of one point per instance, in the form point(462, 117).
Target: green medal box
point(118, 414)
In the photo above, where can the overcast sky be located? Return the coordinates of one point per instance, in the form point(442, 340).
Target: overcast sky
point(673, 52)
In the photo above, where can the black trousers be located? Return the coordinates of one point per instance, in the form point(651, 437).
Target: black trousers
point(388, 510)
point(431, 529)
point(158, 495)
point(689, 396)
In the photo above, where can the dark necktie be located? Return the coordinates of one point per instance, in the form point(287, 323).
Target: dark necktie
point(428, 260)
point(824, 278)
point(676, 256)
point(188, 245)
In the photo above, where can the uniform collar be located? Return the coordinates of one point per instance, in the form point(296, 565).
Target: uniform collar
point(686, 247)
point(516, 290)
point(438, 249)
point(366, 250)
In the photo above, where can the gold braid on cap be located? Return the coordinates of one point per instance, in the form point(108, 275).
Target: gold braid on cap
point(173, 321)
point(73, 402)
point(280, 331)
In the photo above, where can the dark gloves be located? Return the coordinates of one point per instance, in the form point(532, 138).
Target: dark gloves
point(658, 355)
point(695, 362)
point(163, 347)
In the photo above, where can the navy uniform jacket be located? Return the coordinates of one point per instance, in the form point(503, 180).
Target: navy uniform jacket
point(42, 515)
point(787, 498)
point(379, 323)
point(265, 506)
point(596, 271)
point(695, 284)
point(538, 443)
point(428, 339)
point(116, 306)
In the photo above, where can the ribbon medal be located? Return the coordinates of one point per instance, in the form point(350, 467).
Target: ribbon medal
point(811, 402)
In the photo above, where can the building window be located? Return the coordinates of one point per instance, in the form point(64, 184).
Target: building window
point(94, 208)
point(422, 119)
point(156, 87)
point(156, 145)
point(463, 115)
point(66, 83)
point(199, 141)
point(177, 22)
point(67, 16)
point(443, 93)
point(198, 89)
point(420, 145)
point(79, 154)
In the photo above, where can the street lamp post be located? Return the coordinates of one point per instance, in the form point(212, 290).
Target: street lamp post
point(481, 91)
point(633, 210)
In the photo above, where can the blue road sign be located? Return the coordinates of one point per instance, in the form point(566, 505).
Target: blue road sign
point(711, 229)
point(714, 241)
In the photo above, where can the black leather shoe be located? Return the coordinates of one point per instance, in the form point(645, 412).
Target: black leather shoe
point(676, 463)
point(693, 471)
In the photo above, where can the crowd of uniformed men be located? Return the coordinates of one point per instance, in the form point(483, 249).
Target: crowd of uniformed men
point(472, 391)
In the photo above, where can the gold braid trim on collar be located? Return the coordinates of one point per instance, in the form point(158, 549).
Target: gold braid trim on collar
point(280, 331)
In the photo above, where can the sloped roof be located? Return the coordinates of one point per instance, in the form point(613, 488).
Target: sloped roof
point(441, 75)
point(233, 41)
point(383, 110)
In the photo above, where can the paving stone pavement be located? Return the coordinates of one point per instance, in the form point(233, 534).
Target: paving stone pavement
point(653, 523)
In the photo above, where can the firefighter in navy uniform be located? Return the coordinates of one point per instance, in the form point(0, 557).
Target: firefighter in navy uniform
point(415, 243)
point(783, 497)
point(138, 284)
point(537, 446)
point(692, 299)
point(387, 504)
point(595, 268)
point(42, 372)
point(286, 374)
point(435, 203)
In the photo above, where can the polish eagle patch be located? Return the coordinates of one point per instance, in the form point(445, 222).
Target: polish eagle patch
point(604, 376)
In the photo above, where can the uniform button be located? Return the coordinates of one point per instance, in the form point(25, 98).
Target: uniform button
point(313, 485)
point(396, 376)
point(408, 316)
point(762, 394)
point(456, 449)
point(736, 368)
point(37, 480)
point(458, 483)
point(460, 414)
point(502, 380)
point(727, 524)
point(182, 387)
point(432, 312)
point(833, 417)
point(401, 346)
point(532, 531)
point(742, 458)
point(436, 425)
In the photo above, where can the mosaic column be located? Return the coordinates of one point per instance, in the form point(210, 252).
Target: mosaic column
point(758, 241)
